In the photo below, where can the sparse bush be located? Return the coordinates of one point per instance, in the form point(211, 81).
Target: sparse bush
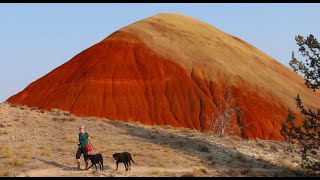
point(274, 147)
point(5, 171)
point(46, 151)
point(26, 155)
point(199, 171)
point(152, 136)
point(14, 105)
point(254, 173)
point(241, 157)
point(187, 175)
point(210, 157)
point(63, 119)
point(62, 148)
point(66, 114)
point(180, 144)
point(231, 173)
point(34, 108)
point(25, 146)
point(3, 131)
point(70, 139)
point(236, 138)
point(92, 135)
point(8, 154)
point(211, 160)
point(56, 112)
point(203, 148)
point(262, 143)
point(2, 125)
point(15, 162)
point(221, 121)
point(155, 172)
point(24, 107)
point(185, 130)
point(167, 127)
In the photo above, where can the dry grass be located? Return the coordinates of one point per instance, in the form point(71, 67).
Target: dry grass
point(241, 157)
point(63, 149)
point(262, 144)
point(188, 175)
point(93, 118)
point(236, 138)
point(24, 107)
point(46, 151)
point(27, 155)
point(154, 172)
point(8, 154)
point(25, 146)
point(56, 112)
point(43, 111)
point(3, 131)
point(34, 109)
point(203, 147)
point(15, 162)
point(26, 152)
point(274, 147)
point(63, 119)
point(167, 127)
point(69, 138)
point(231, 173)
point(152, 148)
point(185, 130)
point(253, 173)
point(14, 105)
point(211, 159)
point(5, 171)
point(199, 171)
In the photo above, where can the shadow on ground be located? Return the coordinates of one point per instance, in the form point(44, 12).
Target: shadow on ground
point(213, 155)
point(68, 168)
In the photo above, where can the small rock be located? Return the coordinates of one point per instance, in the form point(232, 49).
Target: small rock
point(295, 164)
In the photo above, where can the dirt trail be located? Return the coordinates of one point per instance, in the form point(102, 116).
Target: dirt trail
point(135, 171)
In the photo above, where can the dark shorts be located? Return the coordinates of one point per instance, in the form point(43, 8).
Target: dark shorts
point(85, 153)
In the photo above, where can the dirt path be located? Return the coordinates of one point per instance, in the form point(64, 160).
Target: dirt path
point(135, 171)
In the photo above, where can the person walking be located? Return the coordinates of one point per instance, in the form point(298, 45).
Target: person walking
point(84, 147)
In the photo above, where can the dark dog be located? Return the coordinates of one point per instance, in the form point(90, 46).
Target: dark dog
point(125, 158)
point(96, 159)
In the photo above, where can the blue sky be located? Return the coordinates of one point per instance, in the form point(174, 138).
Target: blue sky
point(36, 38)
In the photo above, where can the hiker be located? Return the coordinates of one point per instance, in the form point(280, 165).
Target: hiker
point(84, 146)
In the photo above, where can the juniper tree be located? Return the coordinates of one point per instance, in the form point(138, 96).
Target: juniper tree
point(306, 135)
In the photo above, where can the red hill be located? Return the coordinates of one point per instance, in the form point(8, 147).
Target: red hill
point(172, 69)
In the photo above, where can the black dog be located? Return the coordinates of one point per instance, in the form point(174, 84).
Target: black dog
point(96, 159)
point(125, 158)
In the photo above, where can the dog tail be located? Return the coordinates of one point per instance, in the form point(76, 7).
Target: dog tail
point(132, 160)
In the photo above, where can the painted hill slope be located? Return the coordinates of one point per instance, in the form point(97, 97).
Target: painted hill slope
point(172, 69)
